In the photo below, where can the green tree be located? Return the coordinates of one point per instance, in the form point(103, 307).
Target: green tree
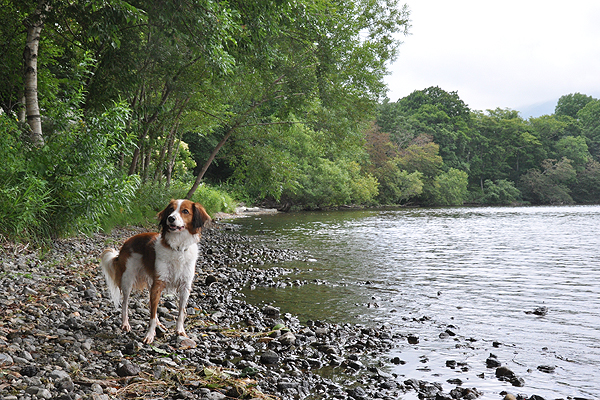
point(587, 187)
point(397, 186)
point(448, 188)
point(434, 112)
point(551, 184)
point(589, 117)
point(503, 146)
point(575, 149)
point(570, 104)
point(422, 157)
point(501, 192)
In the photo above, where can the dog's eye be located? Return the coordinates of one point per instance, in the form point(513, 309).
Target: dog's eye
point(185, 211)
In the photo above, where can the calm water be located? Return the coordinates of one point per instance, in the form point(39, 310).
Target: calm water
point(479, 269)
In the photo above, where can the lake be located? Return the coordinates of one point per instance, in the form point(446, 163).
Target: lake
point(481, 271)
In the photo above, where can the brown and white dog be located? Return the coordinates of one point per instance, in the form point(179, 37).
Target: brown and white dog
point(157, 261)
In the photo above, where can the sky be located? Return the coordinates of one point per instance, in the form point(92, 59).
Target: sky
point(517, 54)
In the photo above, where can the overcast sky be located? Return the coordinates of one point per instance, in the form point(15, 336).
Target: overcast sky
point(510, 54)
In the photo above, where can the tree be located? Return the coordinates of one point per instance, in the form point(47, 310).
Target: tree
point(448, 188)
point(503, 146)
point(422, 157)
point(500, 192)
point(551, 184)
point(434, 112)
point(587, 187)
point(589, 117)
point(324, 68)
point(575, 149)
point(570, 104)
point(397, 186)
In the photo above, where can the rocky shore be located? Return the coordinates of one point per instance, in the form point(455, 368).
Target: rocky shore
point(60, 335)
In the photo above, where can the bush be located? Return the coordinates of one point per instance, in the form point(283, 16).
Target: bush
point(448, 188)
point(501, 192)
point(69, 184)
point(25, 198)
point(398, 186)
point(325, 183)
point(150, 199)
point(550, 186)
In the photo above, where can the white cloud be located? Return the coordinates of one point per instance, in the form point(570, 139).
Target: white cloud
point(508, 54)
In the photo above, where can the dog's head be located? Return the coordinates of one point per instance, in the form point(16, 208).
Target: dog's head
point(182, 215)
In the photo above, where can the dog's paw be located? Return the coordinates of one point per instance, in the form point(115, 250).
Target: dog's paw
point(126, 327)
point(182, 333)
point(148, 339)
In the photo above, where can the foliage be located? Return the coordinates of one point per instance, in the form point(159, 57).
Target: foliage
point(551, 184)
point(589, 117)
point(422, 157)
point(571, 104)
point(587, 187)
point(398, 186)
point(501, 192)
point(448, 188)
point(63, 187)
point(25, 198)
point(150, 199)
point(324, 183)
point(573, 148)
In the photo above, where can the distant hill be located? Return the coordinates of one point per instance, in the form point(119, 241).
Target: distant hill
point(537, 109)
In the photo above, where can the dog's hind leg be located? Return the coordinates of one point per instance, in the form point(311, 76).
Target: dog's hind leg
point(125, 309)
point(155, 292)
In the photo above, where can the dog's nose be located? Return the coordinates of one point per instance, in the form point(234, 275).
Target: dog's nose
point(171, 218)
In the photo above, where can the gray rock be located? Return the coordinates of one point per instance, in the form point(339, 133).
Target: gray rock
point(59, 374)
point(44, 394)
point(214, 396)
point(269, 357)
point(65, 384)
point(127, 368)
point(287, 339)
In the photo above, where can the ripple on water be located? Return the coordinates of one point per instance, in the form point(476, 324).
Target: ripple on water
point(481, 269)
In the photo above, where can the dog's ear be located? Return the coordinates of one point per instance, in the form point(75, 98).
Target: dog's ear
point(164, 214)
point(201, 219)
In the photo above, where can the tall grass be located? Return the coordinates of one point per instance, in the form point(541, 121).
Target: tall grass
point(150, 199)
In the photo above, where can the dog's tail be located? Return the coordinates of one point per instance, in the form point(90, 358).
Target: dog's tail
point(110, 274)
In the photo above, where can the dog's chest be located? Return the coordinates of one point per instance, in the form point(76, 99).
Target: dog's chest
point(176, 267)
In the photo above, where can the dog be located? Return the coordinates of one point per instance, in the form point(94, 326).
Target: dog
point(158, 261)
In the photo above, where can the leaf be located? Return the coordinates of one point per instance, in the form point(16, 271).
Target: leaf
point(159, 350)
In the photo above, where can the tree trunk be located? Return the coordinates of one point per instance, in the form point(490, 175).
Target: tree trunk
point(172, 157)
point(30, 57)
point(208, 162)
point(233, 127)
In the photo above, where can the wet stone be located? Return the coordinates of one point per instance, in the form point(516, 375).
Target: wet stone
point(269, 357)
point(127, 368)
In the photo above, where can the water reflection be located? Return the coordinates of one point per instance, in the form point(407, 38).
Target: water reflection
point(478, 268)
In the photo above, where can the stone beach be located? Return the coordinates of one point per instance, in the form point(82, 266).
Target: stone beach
point(60, 335)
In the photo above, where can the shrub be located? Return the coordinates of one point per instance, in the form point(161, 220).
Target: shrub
point(550, 186)
point(151, 198)
point(25, 198)
point(448, 188)
point(325, 183)
point(500, 192)
point(397, 186)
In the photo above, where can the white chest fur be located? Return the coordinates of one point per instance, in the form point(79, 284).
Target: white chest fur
point(176, 264)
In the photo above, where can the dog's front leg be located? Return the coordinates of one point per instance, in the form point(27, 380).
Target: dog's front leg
point(155, 292)
point(184, 294)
